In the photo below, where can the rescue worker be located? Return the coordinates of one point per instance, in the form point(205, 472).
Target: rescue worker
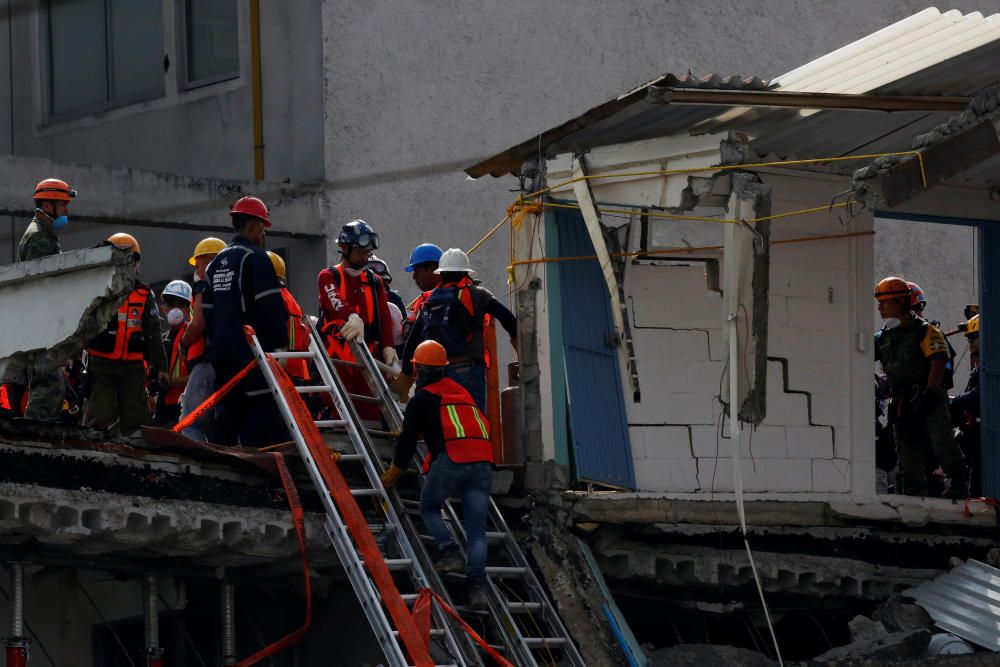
point(457, 315)
point(117, 358)
point(196, 339)
point(246, 291)
point(176, 299)
point(353, 306)
point(913, 354)
point(46, 384)
point(381, 270)
point(423, 264)
point(459, 463)
point(298, 332)
point(918, 301)
point(965, 409)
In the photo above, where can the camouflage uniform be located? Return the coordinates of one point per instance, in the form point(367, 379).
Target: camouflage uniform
point(920, 416)
point(45, 397)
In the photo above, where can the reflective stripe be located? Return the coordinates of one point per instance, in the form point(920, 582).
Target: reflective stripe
point(267, 293)
point(258, 392)
point(482, 427)
point(456, 422)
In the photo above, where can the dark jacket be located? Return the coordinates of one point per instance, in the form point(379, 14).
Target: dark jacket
point(39, 240)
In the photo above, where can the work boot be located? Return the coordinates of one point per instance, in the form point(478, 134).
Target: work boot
point(476, 592)
point(450, 561)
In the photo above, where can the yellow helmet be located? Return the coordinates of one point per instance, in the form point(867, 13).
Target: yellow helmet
point(972, 326)
point(278, 264)
point(208, 246)
point(125, 242)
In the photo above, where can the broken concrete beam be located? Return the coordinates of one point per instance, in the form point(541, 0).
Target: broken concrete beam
point(58, 304)
point(698, 655)
point(889, 647)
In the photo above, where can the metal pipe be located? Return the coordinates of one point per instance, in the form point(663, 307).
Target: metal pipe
point(255, 82)
point(150, 602)
point(17, 644)
point(228, 625)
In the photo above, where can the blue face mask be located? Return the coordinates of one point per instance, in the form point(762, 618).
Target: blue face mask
point(60, 222)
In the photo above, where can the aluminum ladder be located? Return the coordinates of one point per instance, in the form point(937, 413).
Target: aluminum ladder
point(523, 615)
point(344, 516)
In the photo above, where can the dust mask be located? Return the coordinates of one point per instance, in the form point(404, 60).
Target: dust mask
point(175, 317)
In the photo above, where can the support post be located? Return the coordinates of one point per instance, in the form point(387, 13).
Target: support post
point(17, 643)
point(150, 608)
point(228, 624)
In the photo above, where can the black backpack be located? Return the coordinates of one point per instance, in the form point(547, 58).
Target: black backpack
point(446, 319)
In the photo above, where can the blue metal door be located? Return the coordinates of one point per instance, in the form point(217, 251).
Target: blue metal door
point(597, 419)
point(989, 357)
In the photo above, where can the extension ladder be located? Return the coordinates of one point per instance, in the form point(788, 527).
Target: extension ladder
point(522, 614)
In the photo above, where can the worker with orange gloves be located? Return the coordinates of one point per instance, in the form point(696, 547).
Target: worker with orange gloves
point(176, 299)
point(298, 332)
point(197, 340)
point(353, 306)
point(457, 315)
point(47, 382)
point(459, 463)
point(246, 291)
point(423, 264)
point(913, 354)
point(117, 358)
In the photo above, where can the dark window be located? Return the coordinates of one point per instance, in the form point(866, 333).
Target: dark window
point(103, 54)
point(212, 35)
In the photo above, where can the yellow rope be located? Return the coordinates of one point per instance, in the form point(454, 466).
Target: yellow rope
point(488, 235)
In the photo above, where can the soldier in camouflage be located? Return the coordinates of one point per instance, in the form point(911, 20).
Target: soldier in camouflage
point(52, 199)
point(913, 354)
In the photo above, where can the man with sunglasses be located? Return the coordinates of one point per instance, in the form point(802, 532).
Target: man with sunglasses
point(354, 306)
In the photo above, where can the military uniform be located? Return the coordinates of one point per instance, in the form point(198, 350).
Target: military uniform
point(920, 417)
point(45, 397)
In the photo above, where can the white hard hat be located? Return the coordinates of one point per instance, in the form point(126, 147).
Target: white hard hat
point(453, 260)
point(179, 289)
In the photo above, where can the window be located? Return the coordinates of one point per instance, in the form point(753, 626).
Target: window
point(211, 32)
point(103, 54)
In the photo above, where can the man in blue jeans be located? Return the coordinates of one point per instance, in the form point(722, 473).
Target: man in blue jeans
point(459, 463)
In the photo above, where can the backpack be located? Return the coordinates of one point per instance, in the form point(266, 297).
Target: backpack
point(447, 320)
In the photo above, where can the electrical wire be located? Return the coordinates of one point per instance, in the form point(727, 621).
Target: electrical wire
point(118, 640)
point(183, 630)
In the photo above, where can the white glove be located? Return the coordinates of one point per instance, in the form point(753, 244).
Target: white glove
point(353, 328)
point(389, 356)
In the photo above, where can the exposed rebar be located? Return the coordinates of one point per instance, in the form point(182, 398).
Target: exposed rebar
point(17, 600)
point(150, 609)
point(228, 625)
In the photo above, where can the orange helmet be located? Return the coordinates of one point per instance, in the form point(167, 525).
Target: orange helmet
point(125, 242)
point(430, 353)
point(53, 188)
point(892, 288)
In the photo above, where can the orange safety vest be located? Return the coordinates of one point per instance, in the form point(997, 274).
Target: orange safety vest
point(417, 304)
point(336, 346)
point(178, 368)
point(123, 340)
point(298, 336)
point(465, 296)
point(466, 429)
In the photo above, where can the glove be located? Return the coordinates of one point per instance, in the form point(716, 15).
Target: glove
point(336, 456)
point(392, 475)
point(353, 328)
point(401, 386)
point(389, 356)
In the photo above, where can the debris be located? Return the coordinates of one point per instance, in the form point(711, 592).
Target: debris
point(864, 629)
point(945, 643)
point(698, 655)
point(963, 601)
point(898, 616)
point(890, 646)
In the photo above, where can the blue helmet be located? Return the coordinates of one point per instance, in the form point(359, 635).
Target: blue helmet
point(358, 233)
point(425, 252)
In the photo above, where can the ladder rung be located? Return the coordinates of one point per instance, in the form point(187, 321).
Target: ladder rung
point(364, 492)
point(351, 457)
point(492, 535)
point(365, 399)
point(502, 570)
point(524, 606)
point(542, 642)
point(435, 632)
point(314, 389)
point(329, 423)
point(292, 355)
point(396, 563)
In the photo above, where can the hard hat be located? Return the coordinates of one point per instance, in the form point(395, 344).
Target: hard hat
point(425, 252)
point(125, 242)
point(917, 298)
point(278, 264)
point(380, 268)
point(453, 260)
point(972, 326)
point(53, 188)
point(891, 288)
point(251, 206)
point(179, 289)
point(358, 233)
point(430, 353)
point(208, 246)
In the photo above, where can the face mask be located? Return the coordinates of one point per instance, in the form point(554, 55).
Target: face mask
point(61, 221)
point(175, 317)
point(892, 322)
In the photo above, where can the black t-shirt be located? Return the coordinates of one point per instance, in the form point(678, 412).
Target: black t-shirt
point(422, 418)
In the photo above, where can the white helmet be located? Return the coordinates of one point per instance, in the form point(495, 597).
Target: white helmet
point(179, 289)
point(453, 260)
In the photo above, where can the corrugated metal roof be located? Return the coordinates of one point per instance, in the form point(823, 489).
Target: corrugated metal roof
point(965, 602)
point(929, 53)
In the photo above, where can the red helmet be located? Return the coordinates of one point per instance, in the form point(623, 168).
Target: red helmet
point(251, 206)
point(917, 299)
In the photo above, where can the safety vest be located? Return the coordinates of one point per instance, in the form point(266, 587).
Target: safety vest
point(123, 340)
point(336, 346)
point(298, 336)
point(466, 429)
point(416, 305)
point(465, 286)
point(178, 367)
